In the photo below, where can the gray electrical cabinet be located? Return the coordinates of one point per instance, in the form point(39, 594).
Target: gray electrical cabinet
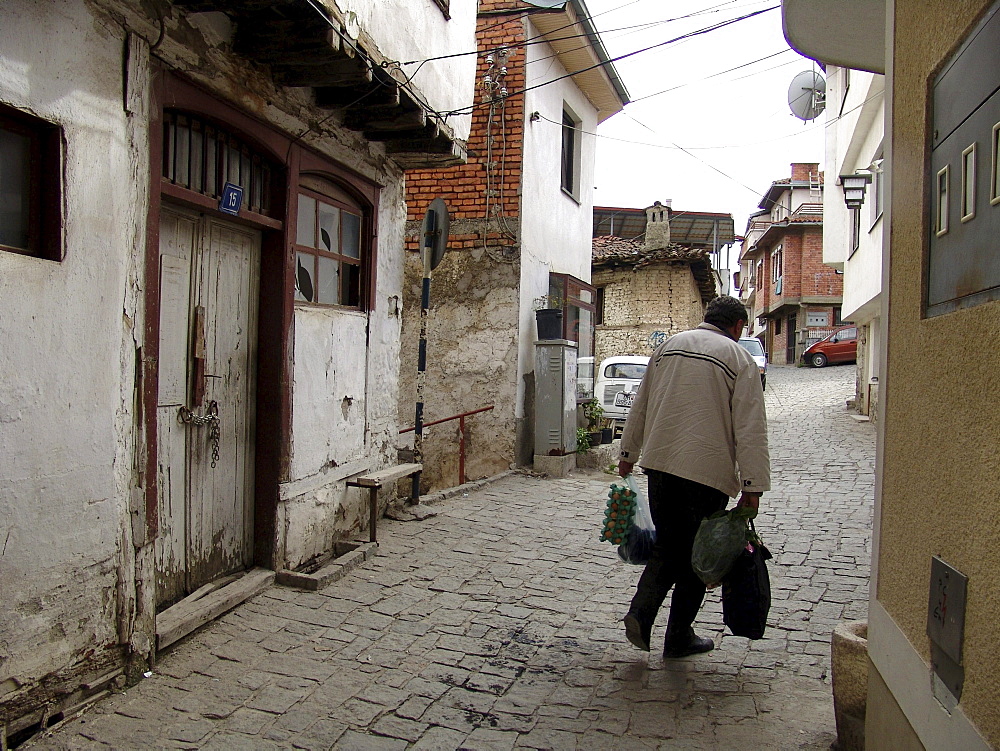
point(555, 397)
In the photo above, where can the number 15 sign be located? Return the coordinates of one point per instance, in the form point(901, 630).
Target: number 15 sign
point(232, 199)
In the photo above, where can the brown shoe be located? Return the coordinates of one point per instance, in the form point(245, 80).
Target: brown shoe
point(686, 643)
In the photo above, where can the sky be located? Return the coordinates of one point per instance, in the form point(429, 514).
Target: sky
point(735, 131)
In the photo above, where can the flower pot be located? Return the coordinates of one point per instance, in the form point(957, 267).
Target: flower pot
point(607, 435)
point(549, 323)
point(595, 438)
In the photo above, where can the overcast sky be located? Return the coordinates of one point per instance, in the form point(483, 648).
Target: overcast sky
point(737, 123)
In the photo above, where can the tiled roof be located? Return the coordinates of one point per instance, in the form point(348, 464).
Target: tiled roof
point(617, 251)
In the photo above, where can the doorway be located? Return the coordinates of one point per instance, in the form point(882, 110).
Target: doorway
point(209, 276)
point(792, 335)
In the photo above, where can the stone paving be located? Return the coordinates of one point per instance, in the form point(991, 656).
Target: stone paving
point(495, 625)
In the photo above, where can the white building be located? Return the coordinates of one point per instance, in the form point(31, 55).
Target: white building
point(852, 238)
point(187, 377)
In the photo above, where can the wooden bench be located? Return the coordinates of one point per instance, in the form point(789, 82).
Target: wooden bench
point(374, 481)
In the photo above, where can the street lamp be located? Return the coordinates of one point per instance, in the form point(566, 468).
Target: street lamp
point(854, 188)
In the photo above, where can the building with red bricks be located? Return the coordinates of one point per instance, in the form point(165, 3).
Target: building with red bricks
point(520, 214)
point(793, 297)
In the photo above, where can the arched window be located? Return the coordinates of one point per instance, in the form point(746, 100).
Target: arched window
point(203, 157)
point(331, 254)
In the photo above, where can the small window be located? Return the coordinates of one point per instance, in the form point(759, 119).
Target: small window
point(599, 304)
point(776, 264)
point(570, 172)
point(837, 311)
point(777, 326)
point(30, 185)
point(855, 231)
point(969, 183)
point(878, 188)
point(941, 214)
point(995, 172)
point(330, 256)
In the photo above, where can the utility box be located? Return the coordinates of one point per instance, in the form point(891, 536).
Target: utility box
point(555, 397)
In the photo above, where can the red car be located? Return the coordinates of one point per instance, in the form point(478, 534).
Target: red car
point(840, 346)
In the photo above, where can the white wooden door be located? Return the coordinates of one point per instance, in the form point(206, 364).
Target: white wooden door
point(209, 277)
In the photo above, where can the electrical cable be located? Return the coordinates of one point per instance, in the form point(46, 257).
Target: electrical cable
point(470, 109)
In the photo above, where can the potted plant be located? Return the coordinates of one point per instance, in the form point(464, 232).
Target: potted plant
point(593, 411)
point(607, 430)
point(548, 317)
point(582, 440)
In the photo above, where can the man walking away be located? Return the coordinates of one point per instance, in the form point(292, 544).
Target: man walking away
point(699, 431)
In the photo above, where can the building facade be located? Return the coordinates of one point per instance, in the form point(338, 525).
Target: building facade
point(648, 288)
point(852, 237)
point(201, 258)
point(520, 214)
point(793, 297)
point(932, 620)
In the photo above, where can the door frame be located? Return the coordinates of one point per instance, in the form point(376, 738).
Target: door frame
point(276, 305)
point(273, 397)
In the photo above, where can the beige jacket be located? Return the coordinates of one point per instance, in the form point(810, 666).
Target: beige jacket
point(699, 414)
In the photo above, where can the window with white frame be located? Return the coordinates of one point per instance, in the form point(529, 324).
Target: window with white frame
point(331, 250)
point(30, 185)
point(570, 168)
point(776, 264)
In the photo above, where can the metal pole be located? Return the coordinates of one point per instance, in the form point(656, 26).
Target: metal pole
point(425, 303)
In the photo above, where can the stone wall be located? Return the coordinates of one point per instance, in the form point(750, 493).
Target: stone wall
point(644, 306)
point(472, 333)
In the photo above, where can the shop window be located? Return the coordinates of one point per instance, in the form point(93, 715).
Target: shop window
point(331, 258)
point(30, 185)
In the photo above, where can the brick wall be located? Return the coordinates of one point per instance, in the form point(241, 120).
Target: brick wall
point(662, 298)
point(495, 142)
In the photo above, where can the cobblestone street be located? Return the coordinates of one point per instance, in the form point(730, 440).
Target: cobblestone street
point(496, 625)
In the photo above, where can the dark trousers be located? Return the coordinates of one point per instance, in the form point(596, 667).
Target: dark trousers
point(677, 507)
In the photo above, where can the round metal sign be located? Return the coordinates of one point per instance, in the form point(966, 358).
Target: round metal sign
point(434, 234)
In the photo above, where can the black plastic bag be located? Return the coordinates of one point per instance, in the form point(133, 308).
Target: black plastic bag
point(746, 592)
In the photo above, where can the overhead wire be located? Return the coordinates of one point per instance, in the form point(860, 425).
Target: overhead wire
point(722, 24)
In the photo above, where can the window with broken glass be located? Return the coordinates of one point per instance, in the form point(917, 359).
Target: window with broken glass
point(330, 257)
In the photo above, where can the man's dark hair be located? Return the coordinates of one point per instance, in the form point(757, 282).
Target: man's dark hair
point(724, 311)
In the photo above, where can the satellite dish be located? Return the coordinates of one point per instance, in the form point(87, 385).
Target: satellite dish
point(807, 95)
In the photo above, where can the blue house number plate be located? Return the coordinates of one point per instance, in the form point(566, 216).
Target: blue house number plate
point(232, 199)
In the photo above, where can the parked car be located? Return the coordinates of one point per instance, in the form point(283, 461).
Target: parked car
point(616, 385)
point(756, 349)
point(840, 346)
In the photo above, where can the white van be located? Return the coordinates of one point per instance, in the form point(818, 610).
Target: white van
point(616, 383)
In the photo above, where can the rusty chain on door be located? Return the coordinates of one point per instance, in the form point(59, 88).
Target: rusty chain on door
point(211, 418)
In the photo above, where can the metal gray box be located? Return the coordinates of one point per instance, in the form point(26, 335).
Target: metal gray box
point(946, 609)
point(555, 397)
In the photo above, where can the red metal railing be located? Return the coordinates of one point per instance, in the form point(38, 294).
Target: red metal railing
point(461, 436)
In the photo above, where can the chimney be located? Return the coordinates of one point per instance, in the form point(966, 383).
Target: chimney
point(657, 226)
point(801, 171)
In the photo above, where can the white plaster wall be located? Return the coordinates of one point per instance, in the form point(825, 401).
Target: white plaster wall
point(415, 31)
point(344, 396)
point(855, 129)
point(556, 228)
point(65, 365)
